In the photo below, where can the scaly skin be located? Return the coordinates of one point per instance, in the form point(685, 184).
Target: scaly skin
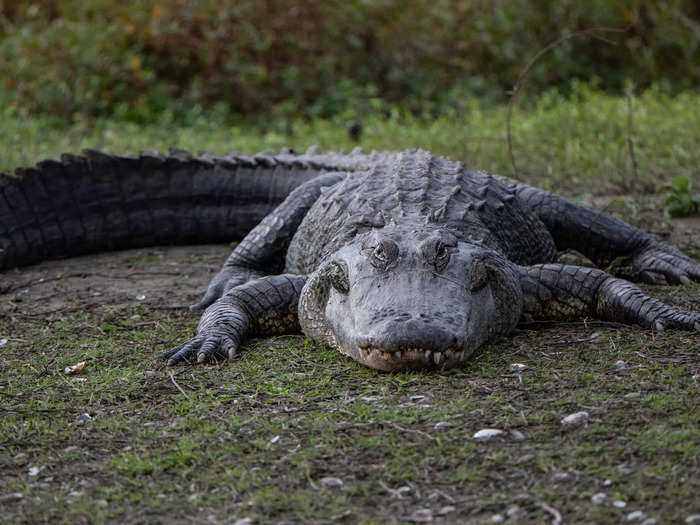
point(417, 261)
point(397, 259)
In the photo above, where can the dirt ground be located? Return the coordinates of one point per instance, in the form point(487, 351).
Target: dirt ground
point(310, 437)
point(173, 277)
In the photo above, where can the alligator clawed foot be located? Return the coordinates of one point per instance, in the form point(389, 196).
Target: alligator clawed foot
point(203, 347)
point(659, 264)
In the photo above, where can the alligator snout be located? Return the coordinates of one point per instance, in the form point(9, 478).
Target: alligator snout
point(398, 336)
point(413, 342)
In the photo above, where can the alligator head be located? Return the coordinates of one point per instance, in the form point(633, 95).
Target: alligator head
point(405, 298)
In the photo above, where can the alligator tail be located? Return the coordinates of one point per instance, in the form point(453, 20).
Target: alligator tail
point(98, 202)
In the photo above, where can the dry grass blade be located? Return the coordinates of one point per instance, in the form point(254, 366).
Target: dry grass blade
point(172, 378)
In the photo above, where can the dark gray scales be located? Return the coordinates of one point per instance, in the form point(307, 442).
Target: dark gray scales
point(397, 259)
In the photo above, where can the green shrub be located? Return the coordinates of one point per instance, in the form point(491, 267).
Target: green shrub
point(322, 58)
point(681, 201)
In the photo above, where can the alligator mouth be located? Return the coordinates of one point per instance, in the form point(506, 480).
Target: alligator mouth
point(414, 356)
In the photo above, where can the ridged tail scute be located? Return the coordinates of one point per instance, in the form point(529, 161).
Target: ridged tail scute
point(97, 202)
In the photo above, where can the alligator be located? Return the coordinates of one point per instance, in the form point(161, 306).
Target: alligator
point(396, 259)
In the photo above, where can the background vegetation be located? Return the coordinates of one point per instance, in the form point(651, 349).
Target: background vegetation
point(577, 145)
point(77, 59)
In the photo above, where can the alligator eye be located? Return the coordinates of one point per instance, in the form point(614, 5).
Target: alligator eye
point(478, 275)
point(380, 254)
point(442, 256)
point(338, 277)
point(384, 254)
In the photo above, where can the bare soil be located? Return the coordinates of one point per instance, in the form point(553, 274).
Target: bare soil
point(166, 277)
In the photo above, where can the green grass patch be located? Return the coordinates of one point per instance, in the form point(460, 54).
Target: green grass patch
point(256, 437)
point(578, 144)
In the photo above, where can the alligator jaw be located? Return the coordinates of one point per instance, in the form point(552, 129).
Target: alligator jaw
point(409, 358)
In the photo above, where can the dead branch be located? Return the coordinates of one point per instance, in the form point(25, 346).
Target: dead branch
point(522, 77)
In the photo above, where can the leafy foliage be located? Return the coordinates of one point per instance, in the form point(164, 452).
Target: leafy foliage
point(132, 59)
point(681, 202)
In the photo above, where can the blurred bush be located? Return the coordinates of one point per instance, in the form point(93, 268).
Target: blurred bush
point(285, 58)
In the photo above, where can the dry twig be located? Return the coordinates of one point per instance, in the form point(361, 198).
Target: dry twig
point(630, 143)
point(416, 431)
point(556, 520)
point(172, 378)
point(522, 77)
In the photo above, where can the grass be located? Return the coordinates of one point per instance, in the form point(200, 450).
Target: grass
point(579, 145)
point(256, 438)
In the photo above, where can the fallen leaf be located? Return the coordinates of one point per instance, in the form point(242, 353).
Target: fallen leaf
point(75, 369)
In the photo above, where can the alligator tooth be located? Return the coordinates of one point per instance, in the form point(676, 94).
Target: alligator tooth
point(437, 357)
point(398, 354)
point(427, 355)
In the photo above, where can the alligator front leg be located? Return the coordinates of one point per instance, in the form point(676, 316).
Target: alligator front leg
point(263, 307)
point(262, 251)
point(563, 291)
